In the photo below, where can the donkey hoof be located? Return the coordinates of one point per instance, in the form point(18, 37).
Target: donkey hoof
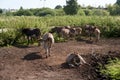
point(46, 56)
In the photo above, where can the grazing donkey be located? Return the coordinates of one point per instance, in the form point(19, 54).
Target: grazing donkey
point(47, 41)
point(75, 31)
point(65, 33)
point(31, 33)
point(92, 30)
point(97, 33)
point(61, 31)
point(56, 30)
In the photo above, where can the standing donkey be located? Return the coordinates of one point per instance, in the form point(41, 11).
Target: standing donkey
point(31, 33)
point(47, 41)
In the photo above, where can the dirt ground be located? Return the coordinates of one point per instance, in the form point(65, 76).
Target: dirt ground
point(26, 63)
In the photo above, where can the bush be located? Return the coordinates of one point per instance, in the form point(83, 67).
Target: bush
point(81, 13)
point(99, 12)
point(59, 12)
point(23, 13)
point(114, 9)
point(46, 12)
point(112, 70)
point(87, 12)
point(7, 38)
point(109, 25)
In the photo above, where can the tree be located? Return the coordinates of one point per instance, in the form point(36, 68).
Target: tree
point(71, 7)
point(23, 12)
point(58, 7)
point(45, 12)
point(118, 2)
point(90, 7)
point(1, 11)
point(114, 9)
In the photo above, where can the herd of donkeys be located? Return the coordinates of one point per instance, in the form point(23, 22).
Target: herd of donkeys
point(47, 40)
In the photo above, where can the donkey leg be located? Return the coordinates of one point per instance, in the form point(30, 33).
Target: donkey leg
point(90, 36)
point(49, 51)
point(49, 48)
point(97, 37)
point(46, 52)
point(28, 40)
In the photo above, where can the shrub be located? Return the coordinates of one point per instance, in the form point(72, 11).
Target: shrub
point(100, 12)
point(87, 12)
point(81, 13)
point(112, 70)
point(46, 12)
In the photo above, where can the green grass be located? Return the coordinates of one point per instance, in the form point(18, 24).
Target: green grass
point(112, 70)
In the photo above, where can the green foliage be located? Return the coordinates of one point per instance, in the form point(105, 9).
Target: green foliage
point(114, 10)
point(72, 7)
point(1, 11)
point(23, 13)
point(58, 7)
point(58, 39)
point(96, 12)
point(100, 12)
point(112, 70)
point(7, 38)
point(87, 12)
point(46, 12)
point(118, 2)
point(81, 12)
point(90, 7)
point(8, 13)
point(109, 25)
point(59, 12)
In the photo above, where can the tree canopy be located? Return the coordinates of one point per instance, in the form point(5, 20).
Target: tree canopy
point(58, 7)
point(71, 7)
point(1, 11)
point(118, 2)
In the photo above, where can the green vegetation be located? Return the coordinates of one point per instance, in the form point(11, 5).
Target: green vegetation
point(72, 7)
point(109, 25)
point(70, 14)
point(106, 19)
point(112, 70)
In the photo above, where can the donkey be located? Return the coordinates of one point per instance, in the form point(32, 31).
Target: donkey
point(47, 41)
point(97, 33)
point(60, 30)
point(31, 33)
point(75, 31)
point(92, 30)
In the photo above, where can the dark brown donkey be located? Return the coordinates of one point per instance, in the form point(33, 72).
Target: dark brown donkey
point(31, 33)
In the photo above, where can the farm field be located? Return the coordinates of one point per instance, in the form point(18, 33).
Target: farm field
point(26, 63)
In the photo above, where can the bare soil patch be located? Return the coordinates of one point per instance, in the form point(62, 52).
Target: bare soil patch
point(27, 63)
